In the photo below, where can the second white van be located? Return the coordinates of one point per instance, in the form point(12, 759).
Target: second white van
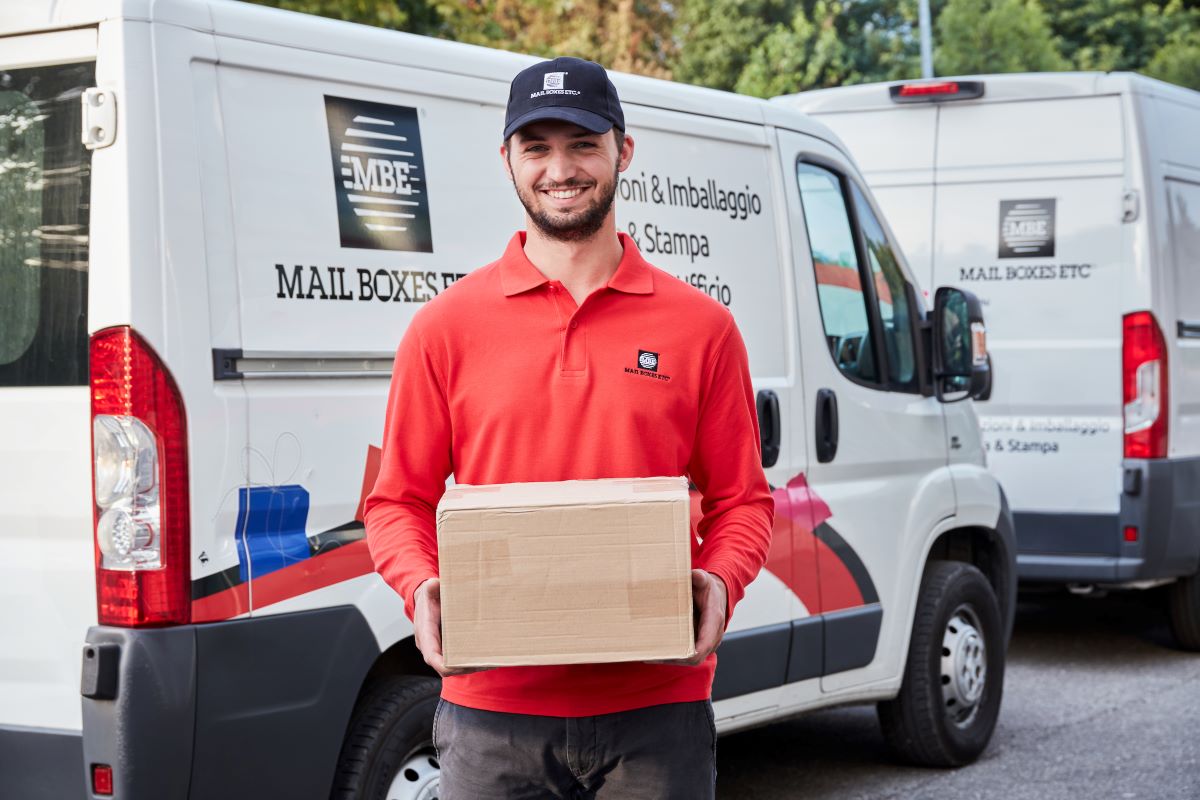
point(1071, 204)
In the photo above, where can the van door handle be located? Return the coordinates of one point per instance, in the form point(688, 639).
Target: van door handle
point(827, 425)
point(767, 403)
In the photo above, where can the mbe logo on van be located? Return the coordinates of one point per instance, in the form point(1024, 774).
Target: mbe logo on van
point(1027, 228)
point(379, 175)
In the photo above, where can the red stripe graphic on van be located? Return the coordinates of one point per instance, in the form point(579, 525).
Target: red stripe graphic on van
point(334, 565)
point(340, 554)
point(799, 511)
point(845, 581)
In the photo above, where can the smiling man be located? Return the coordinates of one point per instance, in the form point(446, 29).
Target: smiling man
point(572, 358)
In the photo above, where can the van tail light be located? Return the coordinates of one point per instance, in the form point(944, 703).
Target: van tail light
point(140, 485)
point(934, 91)
point(1144, 381)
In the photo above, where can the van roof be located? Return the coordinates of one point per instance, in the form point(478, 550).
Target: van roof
point(997, 89)
point(245, 20)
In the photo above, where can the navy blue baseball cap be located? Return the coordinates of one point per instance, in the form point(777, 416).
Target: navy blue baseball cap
point(569, 89)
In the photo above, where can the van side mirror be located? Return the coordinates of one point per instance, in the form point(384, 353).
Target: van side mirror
point(962, 367)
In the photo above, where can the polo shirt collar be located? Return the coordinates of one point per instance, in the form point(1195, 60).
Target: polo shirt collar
point(518, 274)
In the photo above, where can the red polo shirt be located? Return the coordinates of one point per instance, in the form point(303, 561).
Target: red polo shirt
point(502, 379)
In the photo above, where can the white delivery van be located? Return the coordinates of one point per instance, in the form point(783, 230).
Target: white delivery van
point(1071, 204)
point(216, 222)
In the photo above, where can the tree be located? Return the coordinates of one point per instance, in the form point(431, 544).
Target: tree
point(881, 39)
point(716, 37)
point(1178, 61)
point(417, 16)
point(806, 54)
point(1117, 34)
point(628, 35)
point(975, 36)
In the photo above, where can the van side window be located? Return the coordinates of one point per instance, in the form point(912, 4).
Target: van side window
point(44, 196)
point(891, 294)
point(839, 282)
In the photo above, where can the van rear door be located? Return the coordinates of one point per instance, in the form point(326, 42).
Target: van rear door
point(1028, 216)
point(47, 583)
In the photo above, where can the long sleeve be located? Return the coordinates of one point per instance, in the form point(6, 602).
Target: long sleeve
point(726, 466)
point(414, 465)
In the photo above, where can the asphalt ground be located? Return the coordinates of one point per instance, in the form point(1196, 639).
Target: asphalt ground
point(1098, 703)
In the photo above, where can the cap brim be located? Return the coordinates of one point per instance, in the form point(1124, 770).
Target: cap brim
point(584, 119)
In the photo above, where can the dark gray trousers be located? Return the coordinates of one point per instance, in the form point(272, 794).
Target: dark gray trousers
point(656, 753)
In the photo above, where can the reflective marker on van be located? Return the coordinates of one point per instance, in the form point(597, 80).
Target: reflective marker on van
point(1144, 382)
point(139, 471)
point(927, 92)
point(102, 779)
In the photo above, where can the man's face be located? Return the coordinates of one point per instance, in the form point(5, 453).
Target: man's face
point(566, 176)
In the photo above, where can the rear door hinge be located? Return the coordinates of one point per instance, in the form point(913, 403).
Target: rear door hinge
point(99, 117)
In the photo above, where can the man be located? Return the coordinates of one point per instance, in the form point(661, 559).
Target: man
point(572, 358)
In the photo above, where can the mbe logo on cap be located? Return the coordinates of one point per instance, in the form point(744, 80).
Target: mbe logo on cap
point(1027, 228)
point(648, 360)
point(379, 175)
point(554, 83)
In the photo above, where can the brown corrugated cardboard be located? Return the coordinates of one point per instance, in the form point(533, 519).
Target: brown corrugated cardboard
point(570, 572)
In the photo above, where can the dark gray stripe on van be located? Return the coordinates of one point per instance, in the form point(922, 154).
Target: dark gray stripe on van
point(319, 544)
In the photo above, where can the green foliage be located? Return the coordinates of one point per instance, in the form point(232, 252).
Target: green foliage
point(1117, 34)
point(1178, 61)
point(880, 38)
point(806, 54)
point(417, 16)
point(626, 35)
point(717, 37)
point(982, 36)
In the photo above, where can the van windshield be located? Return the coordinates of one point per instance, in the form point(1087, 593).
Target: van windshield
point(45, 177)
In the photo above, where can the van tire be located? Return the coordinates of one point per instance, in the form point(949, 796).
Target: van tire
point(392, 725)
point(1184, 612)
point(917, 723)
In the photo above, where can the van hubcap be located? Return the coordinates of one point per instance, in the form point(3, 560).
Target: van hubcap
point(417, 779)
point(963, 667)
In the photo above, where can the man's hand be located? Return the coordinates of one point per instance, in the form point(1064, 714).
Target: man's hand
point(709, 596)
point(427, 627)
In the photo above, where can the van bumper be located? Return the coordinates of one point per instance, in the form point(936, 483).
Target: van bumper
point(40, 762)
point(1161, 498)
point(248, 708)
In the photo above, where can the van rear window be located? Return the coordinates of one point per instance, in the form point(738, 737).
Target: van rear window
point(44, 195)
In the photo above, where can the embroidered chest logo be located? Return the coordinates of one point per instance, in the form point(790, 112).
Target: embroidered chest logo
point(647, 366)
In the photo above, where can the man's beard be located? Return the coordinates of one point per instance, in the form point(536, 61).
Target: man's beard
point(576, 226)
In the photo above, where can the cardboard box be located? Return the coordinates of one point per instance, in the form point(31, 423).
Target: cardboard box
point(570, 572)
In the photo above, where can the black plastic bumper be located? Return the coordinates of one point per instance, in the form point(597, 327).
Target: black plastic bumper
point(1160, 498)
point(40, 762)
point(250, 708)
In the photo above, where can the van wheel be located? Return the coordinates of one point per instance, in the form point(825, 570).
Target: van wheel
point(1184, 608)
point(388, 752)
point(950, 698)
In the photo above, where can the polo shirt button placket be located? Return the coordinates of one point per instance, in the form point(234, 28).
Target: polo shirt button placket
point(574, 361)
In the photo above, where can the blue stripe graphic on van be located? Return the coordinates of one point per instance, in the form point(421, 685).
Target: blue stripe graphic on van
point(270, 523)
